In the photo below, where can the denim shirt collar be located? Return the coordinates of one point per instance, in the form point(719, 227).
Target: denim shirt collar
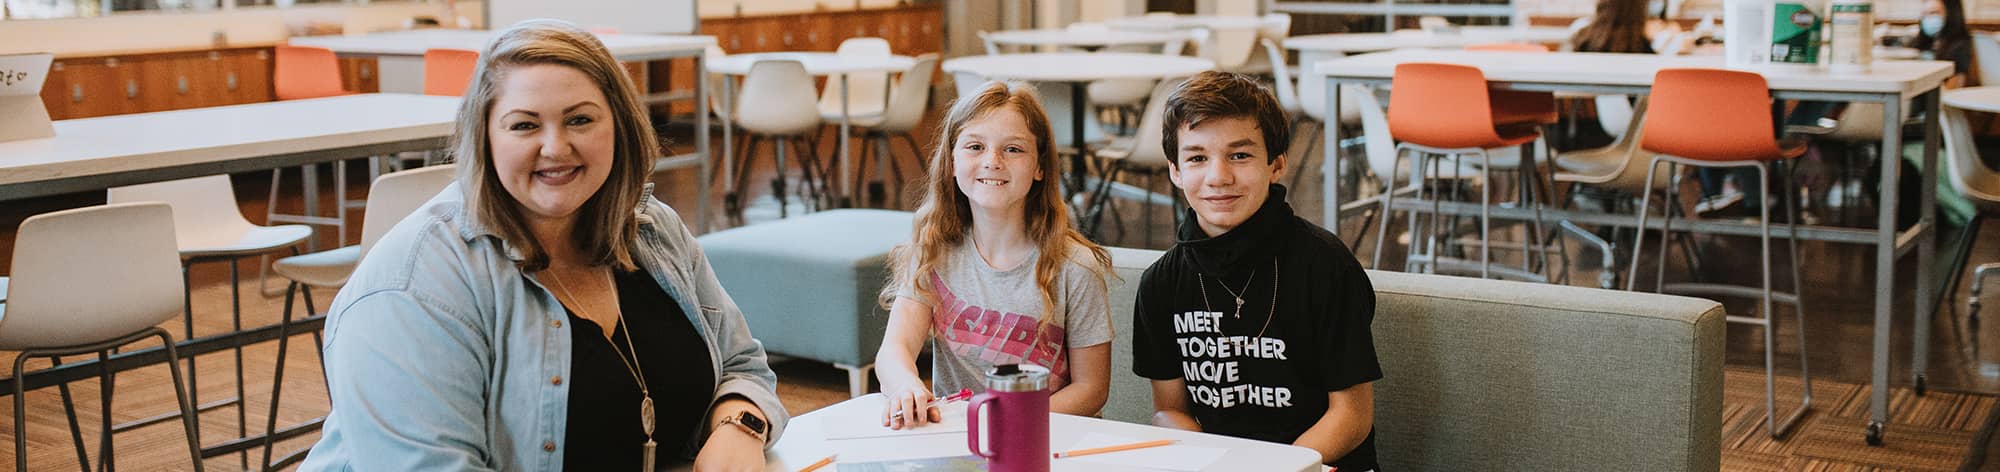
point(475, 228)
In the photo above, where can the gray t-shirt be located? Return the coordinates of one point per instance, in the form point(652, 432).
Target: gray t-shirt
point(981, 317)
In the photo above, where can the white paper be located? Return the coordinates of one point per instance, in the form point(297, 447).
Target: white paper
point(1177, 456)
point(858, 423)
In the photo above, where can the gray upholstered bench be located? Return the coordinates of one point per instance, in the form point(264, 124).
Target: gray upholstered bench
point(808, 285)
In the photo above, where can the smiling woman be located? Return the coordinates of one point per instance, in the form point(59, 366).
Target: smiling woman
point(448, 348)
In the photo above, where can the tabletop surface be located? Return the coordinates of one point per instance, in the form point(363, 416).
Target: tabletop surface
point(1084, 37)
point(139, 141)
point(1461, 37)
point(1186, 22)
point(804, 442)
point(1986, 99)
point(1078, 66)
point(1906, 77)
point(414, 42)
point(816, 63)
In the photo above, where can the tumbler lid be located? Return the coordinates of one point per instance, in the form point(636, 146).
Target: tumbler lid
point(1017, 378)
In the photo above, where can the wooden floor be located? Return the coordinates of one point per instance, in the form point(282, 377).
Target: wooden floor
point(1930, 432)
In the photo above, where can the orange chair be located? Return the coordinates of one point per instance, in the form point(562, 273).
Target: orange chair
point(1445, 109)
point(302, 72)
point(448, 71)
point(305, 72)
point(1722, 118)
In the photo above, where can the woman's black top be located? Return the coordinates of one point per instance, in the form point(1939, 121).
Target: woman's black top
point(604, 430)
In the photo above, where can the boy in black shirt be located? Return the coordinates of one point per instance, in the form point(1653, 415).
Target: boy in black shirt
point(1256, 323)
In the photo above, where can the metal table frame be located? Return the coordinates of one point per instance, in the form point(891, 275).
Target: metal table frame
point(1890, 244)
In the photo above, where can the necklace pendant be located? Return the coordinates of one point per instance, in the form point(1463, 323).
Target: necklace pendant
point(646, 415)
point(646, 463)
point(1239, 307)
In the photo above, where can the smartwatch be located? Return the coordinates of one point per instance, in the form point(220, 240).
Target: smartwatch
point(750, 423)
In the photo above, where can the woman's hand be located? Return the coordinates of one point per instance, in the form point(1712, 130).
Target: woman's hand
point(730, 449)
point(902, 404)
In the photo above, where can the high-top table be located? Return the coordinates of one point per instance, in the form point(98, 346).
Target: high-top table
point(817, 64)
point(1084, 38)
point(1076, 70)
point(400, 54)
point(805, 442)
point(99, 153)
point(399, 59)
point(1350, 43)
point(1181, 22)
point(1887, 82)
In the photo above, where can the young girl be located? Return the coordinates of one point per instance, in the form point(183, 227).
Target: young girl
point(994, 269)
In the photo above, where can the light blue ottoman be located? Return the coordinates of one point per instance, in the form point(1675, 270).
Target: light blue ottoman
point(808, 285)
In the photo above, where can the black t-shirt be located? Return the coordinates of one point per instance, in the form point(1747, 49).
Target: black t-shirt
point(1271, 387)
point(604, 432)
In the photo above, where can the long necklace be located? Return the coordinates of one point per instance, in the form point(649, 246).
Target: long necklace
point(1203, 283)
point(1225, 287)
point(632, 367)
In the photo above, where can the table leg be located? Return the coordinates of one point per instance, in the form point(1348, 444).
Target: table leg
point(309, 180)
point(728, 116)
point(1076, 165)
point(846, 170)
point(1328, 163)
point(1885, 268)
point(1926, 241)
point(701, 144)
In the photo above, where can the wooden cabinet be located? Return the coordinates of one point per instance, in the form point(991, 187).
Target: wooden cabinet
point(358, 75)
point(99, 86)
point(84, 87)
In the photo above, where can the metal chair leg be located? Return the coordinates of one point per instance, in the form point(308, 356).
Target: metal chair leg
point(107, 385)
point(69, 410)
point(1388, 206)
point(190, 418)
point(1639, 237)
point(278, 375)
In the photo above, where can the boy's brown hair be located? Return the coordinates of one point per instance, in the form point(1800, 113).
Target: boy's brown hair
point(1214, 94)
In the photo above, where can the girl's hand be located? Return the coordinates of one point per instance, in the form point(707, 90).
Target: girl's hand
point(905, 406)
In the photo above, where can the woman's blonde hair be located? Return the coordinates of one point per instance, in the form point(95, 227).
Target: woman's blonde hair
point(944, 216)
point(606, 227)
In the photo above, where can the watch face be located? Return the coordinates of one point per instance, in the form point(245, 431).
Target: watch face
point(753, 422)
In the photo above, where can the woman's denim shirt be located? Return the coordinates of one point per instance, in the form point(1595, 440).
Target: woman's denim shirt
point(441, 354)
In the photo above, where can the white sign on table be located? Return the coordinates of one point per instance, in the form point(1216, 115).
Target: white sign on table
point(21, 112)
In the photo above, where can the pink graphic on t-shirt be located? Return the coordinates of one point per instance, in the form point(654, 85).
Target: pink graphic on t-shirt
point(997, 337)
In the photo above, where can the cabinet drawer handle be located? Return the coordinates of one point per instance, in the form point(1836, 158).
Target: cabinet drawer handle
point(76, 93)
point(788, 38)
point(231, 81)
point(111, 62)
point(182, 85)
point(131, 89)
point(263, 54)
point(365, 72)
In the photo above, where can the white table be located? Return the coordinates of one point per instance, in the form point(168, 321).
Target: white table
point(104, 152)
point(817, 64)
point(400, 54)
point(1084, 38)
point(1350, 43)
point(1180, 22)
point(1077, 70)
point(1887, 82)
point(399, 57)
point(805, 442)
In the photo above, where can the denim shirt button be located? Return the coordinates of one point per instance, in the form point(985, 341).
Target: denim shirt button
point(557, 380)
point(555, 323)
point(548, 446)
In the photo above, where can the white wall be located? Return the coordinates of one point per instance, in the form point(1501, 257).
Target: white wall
point(727, 8)
point(144, 32)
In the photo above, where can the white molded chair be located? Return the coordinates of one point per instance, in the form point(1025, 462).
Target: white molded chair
point(1128, 94)
point(906, 108)
point(1986, 56)
point(776, 103)
point(1972, 179)
point(1142, 154)
point(867, 92)
point(87, 281)
point(209, 228)
point(390, 199)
